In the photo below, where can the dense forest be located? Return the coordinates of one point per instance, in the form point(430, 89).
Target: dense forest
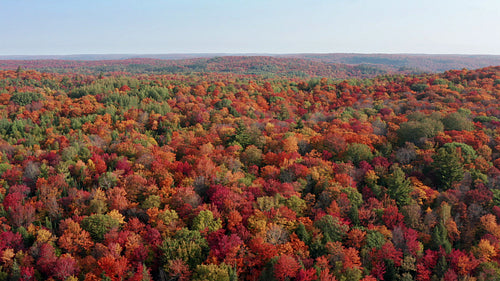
point(335, 65)
point(235, 176)
point(260, 66)
point(304, 66)
point(401, 62)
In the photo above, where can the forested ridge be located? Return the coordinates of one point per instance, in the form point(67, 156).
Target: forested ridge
point(336, 65)
point(228, 176)
point(258, 66)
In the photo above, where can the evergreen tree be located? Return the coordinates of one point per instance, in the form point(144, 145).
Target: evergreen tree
point(448, 167)
point(399, 187)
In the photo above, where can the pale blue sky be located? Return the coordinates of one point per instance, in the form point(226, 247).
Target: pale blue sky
point(49, 27)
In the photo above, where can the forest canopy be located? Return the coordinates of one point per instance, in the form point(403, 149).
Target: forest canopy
point(227, 176)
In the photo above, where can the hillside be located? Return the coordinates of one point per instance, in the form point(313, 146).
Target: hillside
point(402, 62)
point(246, 65)
point(336, 66)
point(215, 175)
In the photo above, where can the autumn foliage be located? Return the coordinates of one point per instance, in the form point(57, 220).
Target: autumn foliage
point(227, 176)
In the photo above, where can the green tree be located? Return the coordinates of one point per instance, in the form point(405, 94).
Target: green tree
point(187, 245)
point(205, 220)
point(375, 239)
point(251, 156)
point(440, 237)
point(440, 233)
point(448, 167)
point(303, 234)
point(357, 152)
point(25, 98)
point(333, 230)
point(467, 153)
point(296, 204)
point(457, 121)
point(419, 87)
point(398, 186)
point(417, 131)
point(98, 225)
point(243, 136)
point(354, 196)
point(215, 272)
point(496, 197)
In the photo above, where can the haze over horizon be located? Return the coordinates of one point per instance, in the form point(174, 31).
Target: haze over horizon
point(57, 27)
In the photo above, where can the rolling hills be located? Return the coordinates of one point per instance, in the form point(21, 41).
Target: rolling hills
point(337, 66)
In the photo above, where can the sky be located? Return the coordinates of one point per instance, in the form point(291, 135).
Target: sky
point(65, 27)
